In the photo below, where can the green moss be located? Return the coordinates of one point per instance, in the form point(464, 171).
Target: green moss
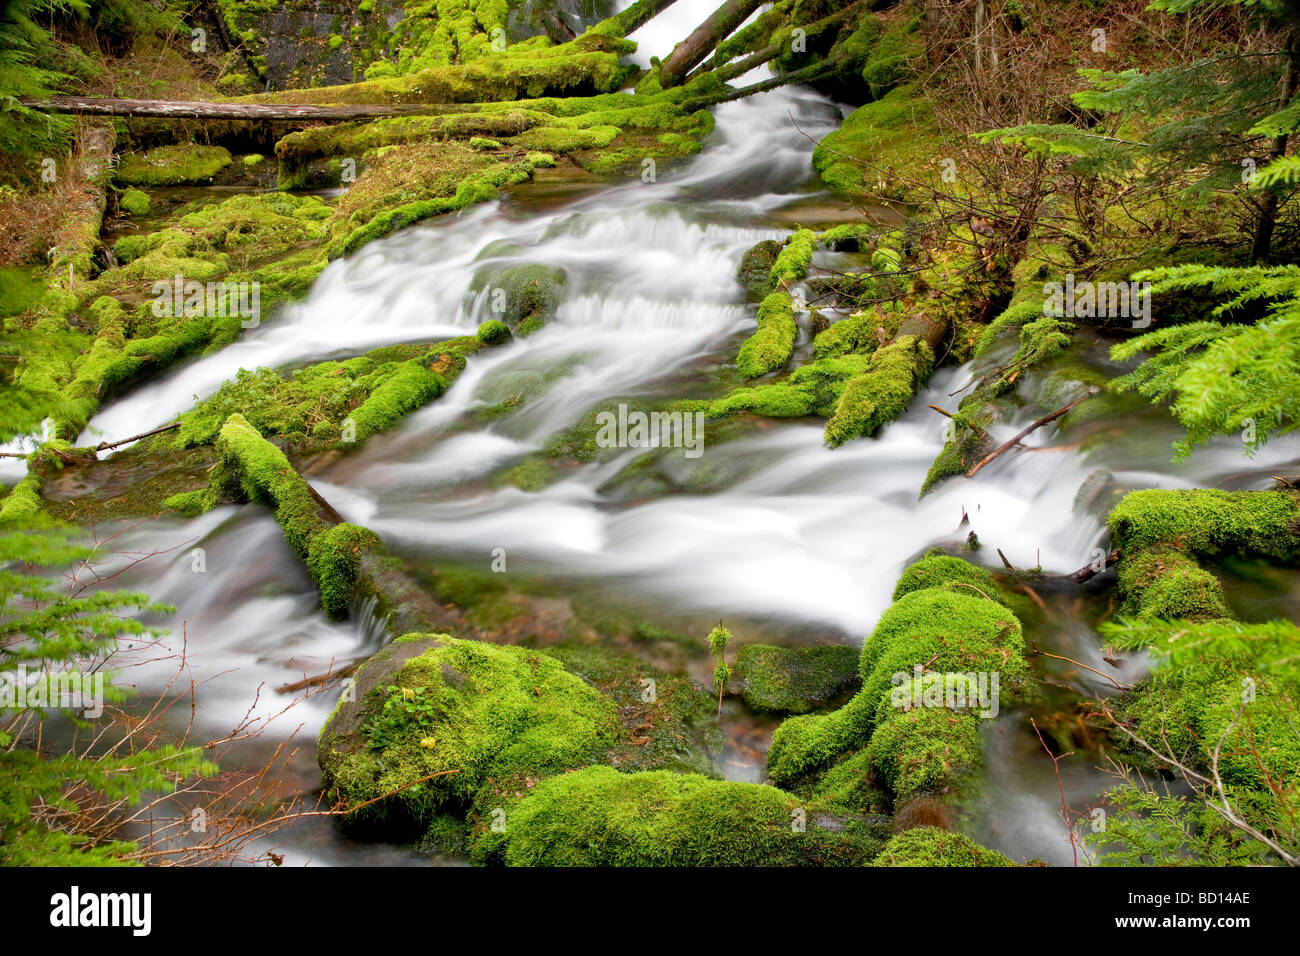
point(856, 333)
point(411, 386)
point(552, 139)
point(540, 160)
point(334, 559)
point(532, 474)
point(807, 743)
point(824, 380)
point(896, 132)
point(930, 846)
point(173, 165)
point(944, 571)
point(924, 750)
point(1210, 523)
point(881, 393)
point(947, 632)
point(663, 730)
point(474, 712)
point(600, 817)
point(795, 680)
point(521, 294)
point(483, 144)
point(771, 345)
point(1163, 583)
point(793, 262)
point(23, 503)
point(134, 202)
point(773, 401)
point(493, 332)
point(190, 504)
point(263, 474)
point(755, 270)
point(410, 183)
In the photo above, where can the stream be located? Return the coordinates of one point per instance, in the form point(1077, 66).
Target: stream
point(787, 540)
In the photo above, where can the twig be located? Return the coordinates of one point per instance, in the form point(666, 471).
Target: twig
point(163, 428)
point(1065, 807)
point(1046, 419)
point(1118, 684)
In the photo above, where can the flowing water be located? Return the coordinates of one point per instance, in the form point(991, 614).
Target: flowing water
point(767, 529)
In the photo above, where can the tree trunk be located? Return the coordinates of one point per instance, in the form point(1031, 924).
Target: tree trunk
point(1263, 244)
point(640, 13)
point(691, 51)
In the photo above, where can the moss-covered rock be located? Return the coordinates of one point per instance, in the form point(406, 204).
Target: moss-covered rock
point(600, 817)
point(755, 270)
point(948, 632)
point(1162, 582)
point(134, 202)
point(805, 744)
point(524, 297)
point(436, 719)
point(941, 657)
point(938, 570)
point(898, 131)
point(923, 750)
point(796, 680)
point(185, 163)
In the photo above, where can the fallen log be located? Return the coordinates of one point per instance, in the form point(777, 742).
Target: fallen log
point(703, 39)
point(729, 71)
point(203, 110)
point(806, 75)
point(634, 16)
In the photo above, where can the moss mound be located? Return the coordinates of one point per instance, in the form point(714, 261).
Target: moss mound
point(1163, 583)
point(796, 680)
point(771, 344)
point(600, 817)
point(473, 712)
point(930, 846)
point(173, 165)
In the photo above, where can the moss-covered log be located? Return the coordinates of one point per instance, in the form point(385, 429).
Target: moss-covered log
point(346, 561)
point(703, 39)
point(945, 654)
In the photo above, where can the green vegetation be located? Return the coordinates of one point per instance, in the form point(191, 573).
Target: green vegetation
point(437, 719)
point(929, 846)
point(796, 680)
point(173, 165)
point(769, 348)
point(657, 818)
point(58, 631)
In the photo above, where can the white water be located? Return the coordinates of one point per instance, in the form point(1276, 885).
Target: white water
point(800, 537)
